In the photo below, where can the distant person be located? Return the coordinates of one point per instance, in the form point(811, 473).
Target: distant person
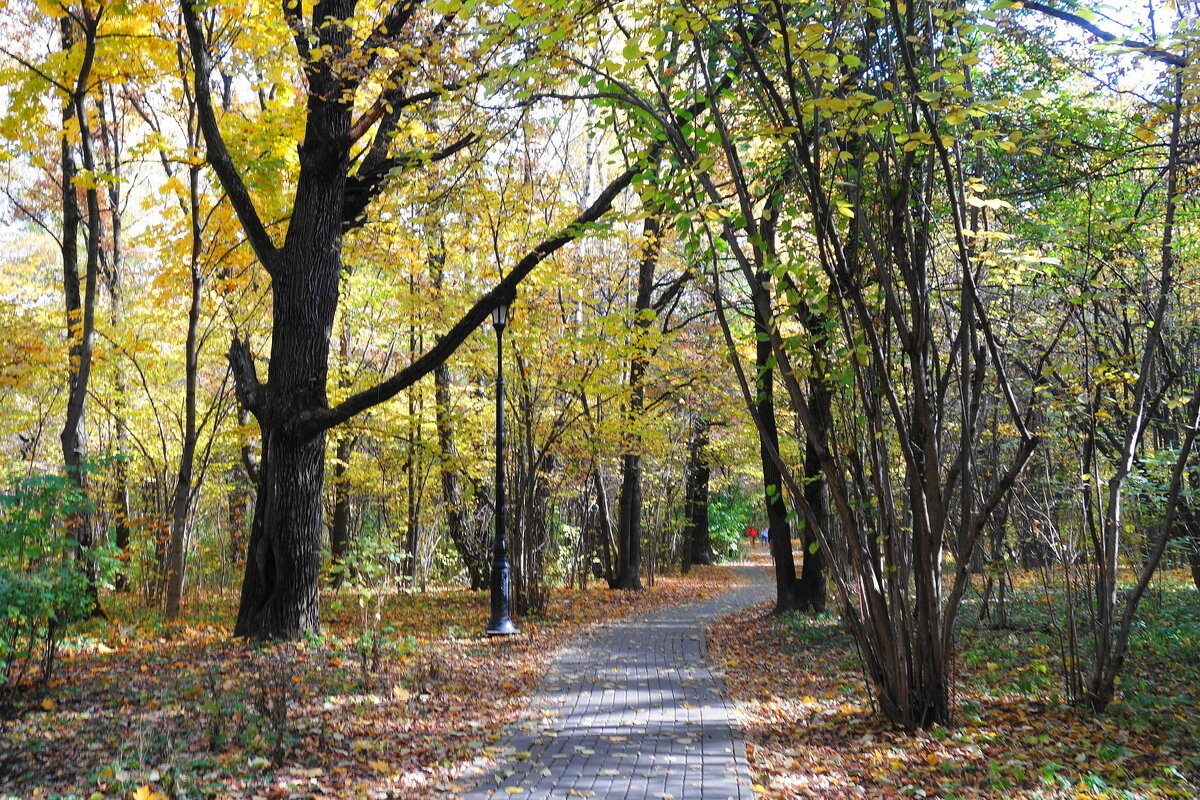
point(752, 534)
point(765, 535)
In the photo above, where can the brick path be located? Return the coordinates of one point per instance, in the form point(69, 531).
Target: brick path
point(633, 711)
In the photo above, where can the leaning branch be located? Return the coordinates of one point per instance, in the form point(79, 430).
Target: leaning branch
point(217, 152)
point(475, 316)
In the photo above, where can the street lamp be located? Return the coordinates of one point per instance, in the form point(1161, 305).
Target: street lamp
point(500, 624)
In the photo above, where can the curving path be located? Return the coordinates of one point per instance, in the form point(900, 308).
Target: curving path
point(633, 711)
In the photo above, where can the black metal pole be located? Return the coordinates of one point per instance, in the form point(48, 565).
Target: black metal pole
point(500, 624)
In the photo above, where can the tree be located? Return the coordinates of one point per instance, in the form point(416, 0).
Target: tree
point(339, 63)
point(861, 108)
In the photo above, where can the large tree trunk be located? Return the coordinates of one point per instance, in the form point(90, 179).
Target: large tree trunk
point(279, 591)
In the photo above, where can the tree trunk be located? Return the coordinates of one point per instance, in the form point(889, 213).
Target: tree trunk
point(181, 498)
point(779, 529)
point(810, 587)
point(629, 525)
point(1110, 644)
point(697, 538)
point(472, 552)
point(604, 525)
point(114, 275)
point(629, 514)
point(80, 309)
point(279, 591)
point(412, 518)
point(1194, 561)
point(339, 528)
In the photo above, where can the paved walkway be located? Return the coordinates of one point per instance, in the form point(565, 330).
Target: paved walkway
point(633, 712)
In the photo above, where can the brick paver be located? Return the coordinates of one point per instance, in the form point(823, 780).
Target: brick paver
point(631, 711)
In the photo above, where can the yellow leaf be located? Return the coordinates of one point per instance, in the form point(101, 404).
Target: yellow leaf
point(49, 704)
point(513, 790)
point(379, 766)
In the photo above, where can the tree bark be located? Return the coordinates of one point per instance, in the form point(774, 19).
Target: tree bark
point(1194, 561)
point(113, 270)
point(472, 551)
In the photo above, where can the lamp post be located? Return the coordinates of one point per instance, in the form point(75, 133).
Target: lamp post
point(500, 624)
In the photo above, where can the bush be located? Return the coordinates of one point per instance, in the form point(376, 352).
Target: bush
point(730, 510)
point(43, 589)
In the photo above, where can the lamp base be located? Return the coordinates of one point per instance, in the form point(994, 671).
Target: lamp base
point(501, 627)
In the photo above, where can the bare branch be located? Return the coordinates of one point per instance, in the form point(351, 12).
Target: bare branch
point(1153, 51)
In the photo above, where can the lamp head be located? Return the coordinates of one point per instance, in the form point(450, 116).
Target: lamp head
point(500, 315)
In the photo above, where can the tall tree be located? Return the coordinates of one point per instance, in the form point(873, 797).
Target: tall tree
point(79, 31)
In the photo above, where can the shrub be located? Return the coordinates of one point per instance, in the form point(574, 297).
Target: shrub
point(43, 590)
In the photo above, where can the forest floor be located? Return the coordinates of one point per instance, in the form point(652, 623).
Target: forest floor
point(404, 704)
point(397, 701)
point(812, 732)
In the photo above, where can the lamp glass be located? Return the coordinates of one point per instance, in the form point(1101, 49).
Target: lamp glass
point(500, 315)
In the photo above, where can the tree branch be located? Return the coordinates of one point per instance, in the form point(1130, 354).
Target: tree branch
point(475, 316)
point(245, 377)
point(363, 186)
point(217, 153)
point(1151, 50)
